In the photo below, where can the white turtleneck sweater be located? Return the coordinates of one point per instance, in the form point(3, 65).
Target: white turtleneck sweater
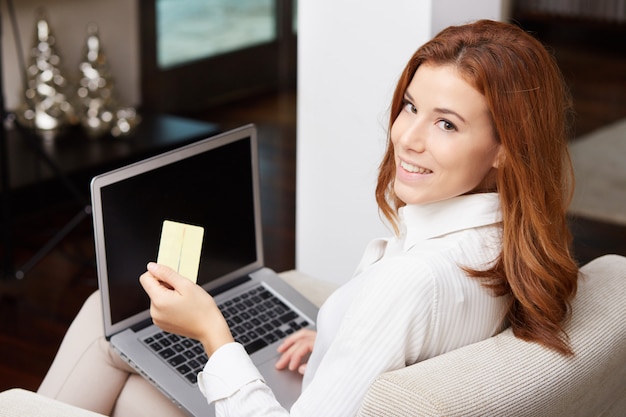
point(408, 301)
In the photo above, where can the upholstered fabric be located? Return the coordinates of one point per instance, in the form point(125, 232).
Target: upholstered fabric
point(504, 376)
point(316, 290)
point(17, 402)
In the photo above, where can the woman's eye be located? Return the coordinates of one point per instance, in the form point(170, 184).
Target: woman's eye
point(408, 106)
point(446, 125)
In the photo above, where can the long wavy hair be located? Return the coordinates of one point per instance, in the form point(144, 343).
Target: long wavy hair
point(530, 108)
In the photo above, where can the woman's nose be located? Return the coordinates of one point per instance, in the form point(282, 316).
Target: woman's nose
point(413, 136)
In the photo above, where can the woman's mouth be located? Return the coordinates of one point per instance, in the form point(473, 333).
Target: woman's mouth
point(414, 168)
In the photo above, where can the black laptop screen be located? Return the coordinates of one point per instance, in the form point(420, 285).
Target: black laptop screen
point(213, 189)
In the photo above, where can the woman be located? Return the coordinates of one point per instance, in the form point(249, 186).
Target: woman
point(474, 182)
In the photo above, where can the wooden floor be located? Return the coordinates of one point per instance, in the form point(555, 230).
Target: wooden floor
point(35, 311)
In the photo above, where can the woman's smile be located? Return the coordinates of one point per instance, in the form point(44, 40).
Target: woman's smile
point(414, 169)
point(443, 138)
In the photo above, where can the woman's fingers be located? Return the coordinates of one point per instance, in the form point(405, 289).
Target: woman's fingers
point(300, 335)
point(296, 350)
point(182, 307)
point(293, 357)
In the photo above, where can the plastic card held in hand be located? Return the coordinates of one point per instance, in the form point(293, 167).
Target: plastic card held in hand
point(180, 248)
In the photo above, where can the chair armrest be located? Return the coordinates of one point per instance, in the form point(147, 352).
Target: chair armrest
point(315, 290)
point(18, 402)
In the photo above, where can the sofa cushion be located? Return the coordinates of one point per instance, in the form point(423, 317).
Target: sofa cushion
point(18, 402)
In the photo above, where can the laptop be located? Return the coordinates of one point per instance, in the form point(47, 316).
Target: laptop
point(212, 183)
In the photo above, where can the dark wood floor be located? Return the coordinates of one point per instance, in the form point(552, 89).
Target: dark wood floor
point(35, 311)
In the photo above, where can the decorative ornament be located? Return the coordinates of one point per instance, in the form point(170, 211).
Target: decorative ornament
point(47, 108)
point(99, 111)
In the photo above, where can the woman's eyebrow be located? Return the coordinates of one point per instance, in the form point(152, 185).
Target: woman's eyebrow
point(441, 110)
point(449, 111)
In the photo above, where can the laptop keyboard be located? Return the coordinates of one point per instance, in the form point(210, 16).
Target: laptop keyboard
point(256, 319)
point(183, 354)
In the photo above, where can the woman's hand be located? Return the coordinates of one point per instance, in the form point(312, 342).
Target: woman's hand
point(296, 350)
point(180, 306)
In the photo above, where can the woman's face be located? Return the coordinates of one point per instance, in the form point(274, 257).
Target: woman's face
point(443, 139)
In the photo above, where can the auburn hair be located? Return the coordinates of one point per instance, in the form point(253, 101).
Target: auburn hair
point(530, 108)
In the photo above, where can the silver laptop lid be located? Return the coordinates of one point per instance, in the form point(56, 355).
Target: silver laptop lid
point(213, 183)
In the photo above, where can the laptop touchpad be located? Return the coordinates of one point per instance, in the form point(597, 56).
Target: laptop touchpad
point(285, 384)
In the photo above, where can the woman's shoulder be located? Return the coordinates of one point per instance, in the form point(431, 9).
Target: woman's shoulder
point(399, 275)
point(431, 270)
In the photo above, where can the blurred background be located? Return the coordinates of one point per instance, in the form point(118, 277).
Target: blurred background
point(195, 67)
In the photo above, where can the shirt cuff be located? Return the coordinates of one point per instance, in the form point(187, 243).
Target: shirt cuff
point(227, 370)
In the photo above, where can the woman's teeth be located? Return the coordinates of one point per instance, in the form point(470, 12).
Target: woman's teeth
point(414, 168)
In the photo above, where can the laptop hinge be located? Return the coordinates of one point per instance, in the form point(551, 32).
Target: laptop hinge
point(232, 284)
point(141, 325)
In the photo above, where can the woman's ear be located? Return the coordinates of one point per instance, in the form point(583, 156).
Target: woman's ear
point(499, 159)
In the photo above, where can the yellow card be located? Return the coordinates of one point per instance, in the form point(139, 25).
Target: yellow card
point(180, 248)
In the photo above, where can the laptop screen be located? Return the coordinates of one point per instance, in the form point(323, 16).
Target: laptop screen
point(207, 185)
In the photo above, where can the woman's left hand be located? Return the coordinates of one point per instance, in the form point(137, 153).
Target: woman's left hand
point(182, 307)
point(295, 350)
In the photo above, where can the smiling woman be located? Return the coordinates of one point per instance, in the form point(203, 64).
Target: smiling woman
point(481, 240)
point(443, 138)
point(519, 84)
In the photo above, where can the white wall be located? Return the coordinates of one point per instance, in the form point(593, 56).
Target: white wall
point(452, 12)
point(118, 23)
point(350, 55)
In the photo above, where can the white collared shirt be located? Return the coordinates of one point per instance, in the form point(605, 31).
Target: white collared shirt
point(408, 301)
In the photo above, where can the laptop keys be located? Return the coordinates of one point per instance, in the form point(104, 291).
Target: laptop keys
point(256, 318)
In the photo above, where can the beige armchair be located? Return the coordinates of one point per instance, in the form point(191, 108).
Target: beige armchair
point(501, 376)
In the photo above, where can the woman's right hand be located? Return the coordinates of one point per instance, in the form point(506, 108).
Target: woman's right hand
point(180, 306)
point(296, 350)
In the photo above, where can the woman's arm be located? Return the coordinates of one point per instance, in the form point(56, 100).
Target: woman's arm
point(180, 306)
point(385, 326)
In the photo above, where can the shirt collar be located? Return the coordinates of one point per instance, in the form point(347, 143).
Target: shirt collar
point(427, 221)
